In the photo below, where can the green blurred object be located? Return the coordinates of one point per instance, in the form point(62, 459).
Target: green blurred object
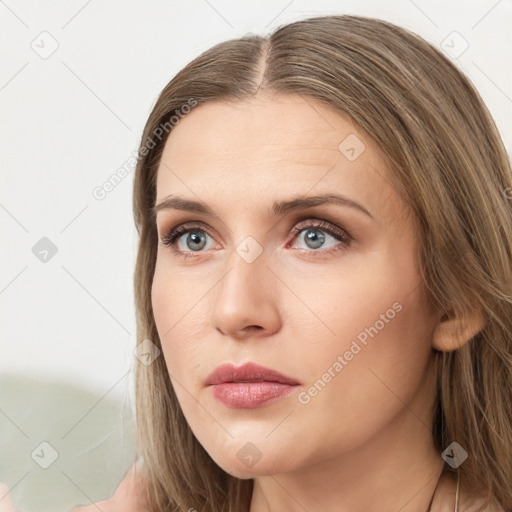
point(61, 445)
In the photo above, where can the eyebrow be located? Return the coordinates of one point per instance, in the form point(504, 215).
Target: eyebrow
point(173, 202)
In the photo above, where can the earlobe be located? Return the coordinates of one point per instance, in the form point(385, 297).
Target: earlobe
point(452, 333)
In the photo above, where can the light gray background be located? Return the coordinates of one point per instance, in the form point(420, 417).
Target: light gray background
point(71, 119)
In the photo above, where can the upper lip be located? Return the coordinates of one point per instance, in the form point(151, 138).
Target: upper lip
point(248, 372)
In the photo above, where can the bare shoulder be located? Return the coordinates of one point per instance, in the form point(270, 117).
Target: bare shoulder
point(469, 502)
point(128, 497)
point(481, 504)
point(445, 498)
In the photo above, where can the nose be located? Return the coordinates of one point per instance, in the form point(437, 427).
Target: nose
point(246, 299)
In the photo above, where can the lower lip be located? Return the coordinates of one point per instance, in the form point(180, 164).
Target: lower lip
point(249, 395)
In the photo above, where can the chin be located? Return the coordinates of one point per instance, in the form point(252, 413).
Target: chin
point(242, 471)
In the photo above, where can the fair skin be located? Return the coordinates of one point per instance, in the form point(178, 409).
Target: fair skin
point(296, 311)
point(364, 442)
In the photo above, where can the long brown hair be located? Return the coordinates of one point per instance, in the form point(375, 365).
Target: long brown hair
point(451, 167)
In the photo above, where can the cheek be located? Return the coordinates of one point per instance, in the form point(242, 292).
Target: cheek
point(169, 312)
point(174, 297)
point(179, 316)
point(374, 316)
point(374, 363)
point(333, 304)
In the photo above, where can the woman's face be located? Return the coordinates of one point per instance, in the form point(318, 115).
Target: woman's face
point(338, 307)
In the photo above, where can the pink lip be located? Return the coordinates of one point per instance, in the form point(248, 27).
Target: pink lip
point(248, 372)
point(249, 385)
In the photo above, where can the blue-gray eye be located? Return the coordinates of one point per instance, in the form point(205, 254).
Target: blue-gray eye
point(315, 237)
point(194, 241)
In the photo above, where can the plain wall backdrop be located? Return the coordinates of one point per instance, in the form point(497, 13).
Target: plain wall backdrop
point(77, 82)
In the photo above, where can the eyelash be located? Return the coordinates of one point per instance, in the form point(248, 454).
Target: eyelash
point(169, 239)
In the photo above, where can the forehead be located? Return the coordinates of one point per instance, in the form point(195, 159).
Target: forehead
point(272, 146)
point(262, 125)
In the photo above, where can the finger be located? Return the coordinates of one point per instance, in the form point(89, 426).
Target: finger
point(5, 500)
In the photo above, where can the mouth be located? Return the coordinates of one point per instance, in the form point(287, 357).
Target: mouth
point(247, 373)
point(249, 386)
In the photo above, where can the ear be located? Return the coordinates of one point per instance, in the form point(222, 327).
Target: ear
point(452, 333)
